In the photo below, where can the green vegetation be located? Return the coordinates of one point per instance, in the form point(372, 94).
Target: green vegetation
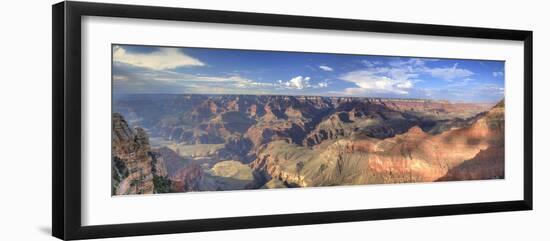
point(162, 184)
point(119, 171)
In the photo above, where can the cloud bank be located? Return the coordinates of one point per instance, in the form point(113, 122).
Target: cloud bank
point(326, 68)
point(398, 76)
point(162, 59)
point(213, 71)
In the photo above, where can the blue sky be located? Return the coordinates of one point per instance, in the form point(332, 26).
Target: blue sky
point(145, 69)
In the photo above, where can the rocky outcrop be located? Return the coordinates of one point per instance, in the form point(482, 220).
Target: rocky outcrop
point(232, 175)
point(134, 165)
point(292, 141)
point(487, 164)
point(274, 183)
point(225, 175)
point(173, 162)
point(361, 117)
point(188, 179)
point(204, 119)
point(414, 156)
point(436, 110)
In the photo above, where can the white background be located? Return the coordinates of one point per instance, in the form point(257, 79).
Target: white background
point(26, 123)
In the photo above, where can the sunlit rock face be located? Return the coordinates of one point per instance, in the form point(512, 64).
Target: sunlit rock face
point(184, 143)
point(473, 152)
point(134, 165)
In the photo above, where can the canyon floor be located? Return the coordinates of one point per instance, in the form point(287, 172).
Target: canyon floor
point(182, 143)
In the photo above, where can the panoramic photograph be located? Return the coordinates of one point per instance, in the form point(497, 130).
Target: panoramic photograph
point(187, 119)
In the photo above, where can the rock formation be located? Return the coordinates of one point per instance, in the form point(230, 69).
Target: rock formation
point(232, 142)
point(471, 152)
point(134, 166)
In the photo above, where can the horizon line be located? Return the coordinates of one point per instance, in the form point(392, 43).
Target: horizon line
point(327, 96)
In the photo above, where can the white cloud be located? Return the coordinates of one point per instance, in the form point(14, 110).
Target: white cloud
point(325, 68)
point(120, 78)
point(498, 73)
point(449, 74)
point(297, 82)
point(145, 80)
point(400, 76)
point(418, 66)
point(405, 85)
point(370, 63)
point(414, 62)
point(322, 85)
point(154, 81)
point(378, 80)
point(162, 59)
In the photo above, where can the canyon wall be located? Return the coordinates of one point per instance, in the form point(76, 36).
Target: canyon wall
point(232, 142)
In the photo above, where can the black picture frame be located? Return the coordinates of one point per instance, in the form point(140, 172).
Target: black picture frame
point(66, 75)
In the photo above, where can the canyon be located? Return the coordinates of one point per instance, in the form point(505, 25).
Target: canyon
point(195, 142)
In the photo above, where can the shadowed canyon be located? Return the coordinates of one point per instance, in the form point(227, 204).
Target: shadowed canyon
point(165, 143)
